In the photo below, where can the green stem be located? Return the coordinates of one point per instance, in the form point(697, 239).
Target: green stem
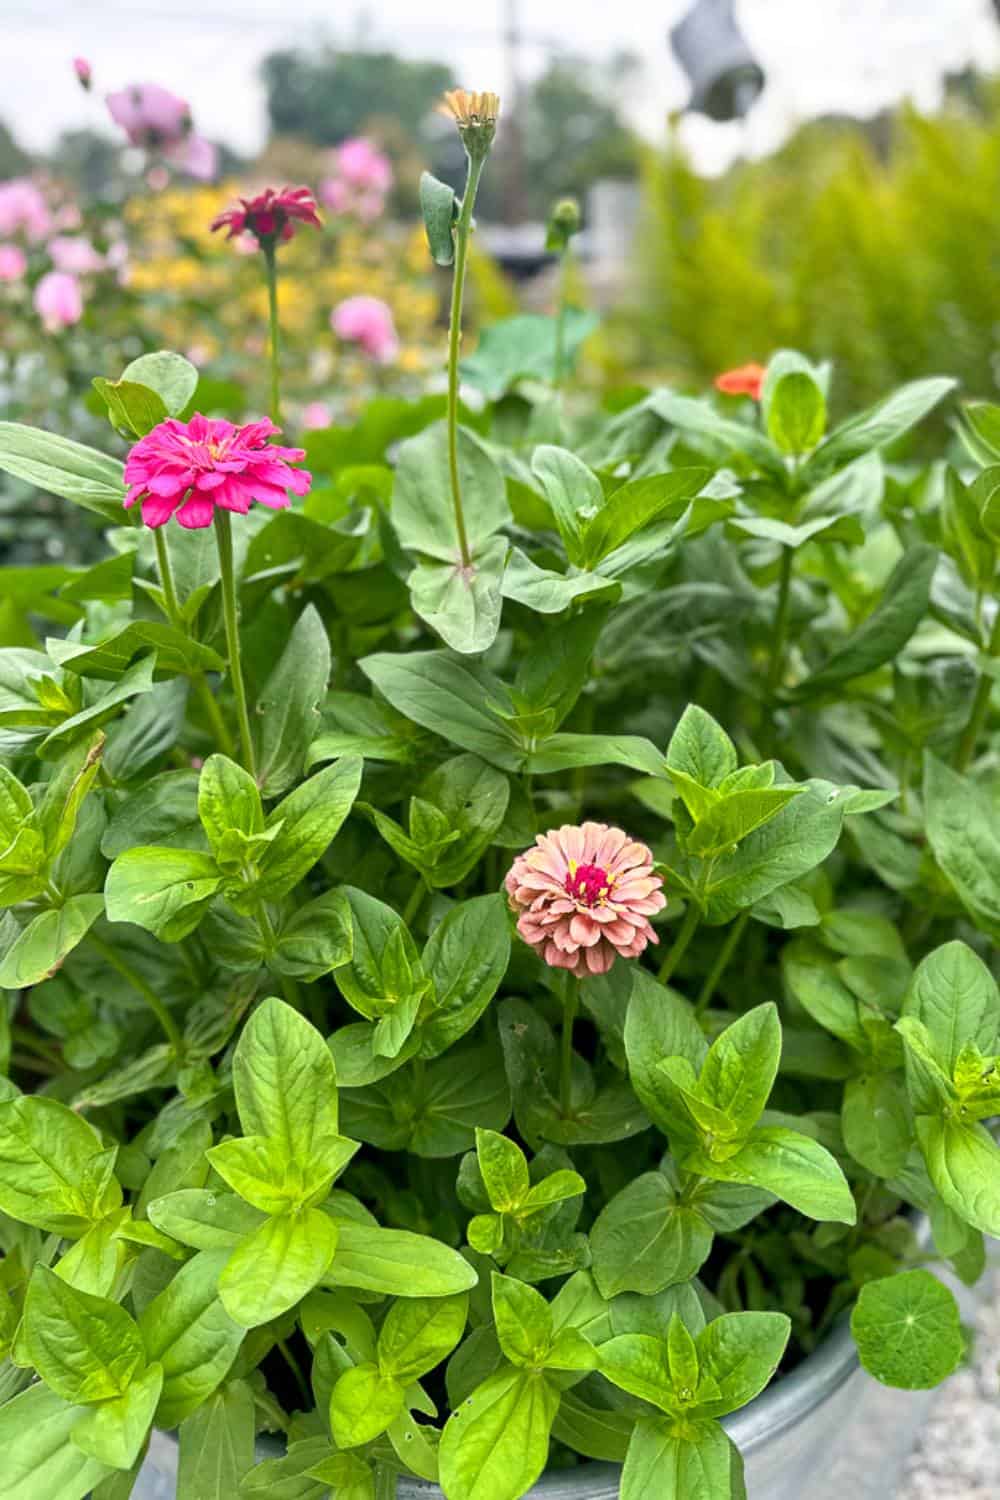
point(271, 272)
point(213, 713)
point(415, 902)
point(296, 1370)
point(692, 917)
point(224, 541)
point(462, 231)
point(781, 619)
point(980, 704)
point(166, 576)
point(139, 984)
point(717, 970)
point(289, 986)
point(559, 365)
point(218, 725)
point(571, 1001)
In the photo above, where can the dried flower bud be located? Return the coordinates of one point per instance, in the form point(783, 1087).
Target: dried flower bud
point(476, 117)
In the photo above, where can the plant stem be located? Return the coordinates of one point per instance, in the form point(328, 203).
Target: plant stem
point(980, 704)
point(271, 272)
point(296, 1370)
point(717, 970)
point(692, 917)
point(559, 363)
point(217, 724)
point(137, 982)
point(224, 541)
point(571, 1001)
point(289, 987)
point(462, 231)
point(781, 619)
point(415, 902)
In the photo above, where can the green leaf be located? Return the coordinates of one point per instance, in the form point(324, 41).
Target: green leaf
point(399, 1263)
point(187, 1330)
point(115, 1431)
point(418, 1333)
point(549, 593)
point(344, 1474)
point(61, 467)
point(54, 1170)
point(463, 604)
point(690, 1461)
point(132, 408)
point(742, 1064)
point(883, 423)
point(639, 1364)
point(735, 816)
point(877, 1123)
point(316, 938)
point(473, 797)
point(38, 1459)
point(288, 705)
point(365, 1402)
point(170, 375)
point(504, 1169)
point(524, 347)
point(659, 1024)
point(174, 652)
point(793, 1167)
point(646, 1239)
point(701, 749)
point(523, 1321)
point(723, 436)
point(832, 528)
point(271, 1271)
point(423, 508)
point(963, 1162)
point(204, 1220)
point(138, 679)
point(165, 891)
point(85, 1348)
point(285, 1081)
point(494, 1446)
point(637, 505)
point(573, 492)
point(796, 413)
point(38, 952)
point(883, 634)
point(310, 819)
point(964, 832)
point(740, 1352)
point(908, 1331)
point(216, 1445)
point(439, 207)
point(445, 694)
point(466, 957)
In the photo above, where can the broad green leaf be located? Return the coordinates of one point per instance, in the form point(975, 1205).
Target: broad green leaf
point(963, 1161)
point(740, 1352)
point(439, 207)
point(523, 347)
point(133, 409)
point(964, 832)
point(573, 492)
point(161, 645)
point(474, 797)
point(735, 816)
point(494, 1446)
point(637, 505)
point(162, 813)
point(523, 1321)
point(548, 592)
point(170, 375)
point(85, 1348)
point(877, 1123)
point(384, 968)
point(138, 679)
point(423, 508)
point(659, 1024)
point(399, 1263)
point(504, 1169)
point(449, 696)
point(216, 1447)
point(287, 1478)
point(187, 1330)
point(646, 1239)
point(54, 1170)
point(271, 1271)
point(345, 1475)
point(908, 1330)
point(741, 1066)
point(796, 412)
point(288, 705)
point(165, 891)
point(638, 1363)
point(955, 996)
point(316, 938)
point(418, 1333)
point(466, 957)
point(39, 951)
point(883, 423)
point(462, 604)
point(285, 1081)
point(724, 436)
point(365, 1402)
point(793, 1167)
point(58, 466)
point(204, 1220)
point(115, 1431)
point(38, 1459)
point(694, 1460)
point(228, 799)
point(701, 748)
point(310, 818)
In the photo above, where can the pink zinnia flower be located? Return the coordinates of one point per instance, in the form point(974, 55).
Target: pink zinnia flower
point(316, 414)
point(23, 208)
point(75, 254)
point(58, 300)
point(13, 263)
point(271, 215)
point(196, 156)
point(367, 321)
point(191, 467)
point(584, 897)
point(364, 166)
point(83, 71)
point(150, 116)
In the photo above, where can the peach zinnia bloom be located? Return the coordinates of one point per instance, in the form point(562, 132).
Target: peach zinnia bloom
point(746, 380)
point(584, 897)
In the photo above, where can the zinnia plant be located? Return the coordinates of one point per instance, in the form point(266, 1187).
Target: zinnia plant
point(576, 992)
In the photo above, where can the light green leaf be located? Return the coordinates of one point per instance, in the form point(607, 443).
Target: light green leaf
point(216, 1445)
point(58, 466)
point(133, 409)
point(645, 1239)
point(523, 1321)
point(365, 1402)
point(690, 1461)
point(908, 1331)
point(701, 748)
point(399, 1263)
point(85, 1348)
point(964, 831)
point(877, 1123)
point(439, 207)
point(173, 377)
point(285, 1081)
point(462, 604)
point(955, 996)
point(38, 952)
point(310, 819)
point(115, 1431)
point(288, 705)
point(38, 1459)
point(494, 1446)
point(740, 1352)
point(796, 412)
point(466, 957)
point(165, 891)
point(793, 1167)
point(54, 1170)
point(741, 1066)
point(316, 938)
point(270, 1272)
point(418, 1333)
point(637, 505)
point(187, 1330)
point(423, 509)
point(963, 1161)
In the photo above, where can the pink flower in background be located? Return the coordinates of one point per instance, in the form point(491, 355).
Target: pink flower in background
point(83, 71)
point(362, 178)
point(191, 467)
point(195, 156)
point(271, 215)
point(367, 321)
point(74, 254)
point(584, 897)
point(58, 300)
point(23, 209)
point(150, 115)
point(13, 263)
point(336, 195)
point(316, 414)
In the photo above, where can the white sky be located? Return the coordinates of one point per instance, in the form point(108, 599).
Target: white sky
point(819, 55)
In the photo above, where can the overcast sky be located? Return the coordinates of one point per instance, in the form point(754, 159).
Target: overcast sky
point(819, 55)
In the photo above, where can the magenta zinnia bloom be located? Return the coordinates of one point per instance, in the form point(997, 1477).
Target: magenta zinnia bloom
point(271, 215)
point(191, 467)
point(584, 897)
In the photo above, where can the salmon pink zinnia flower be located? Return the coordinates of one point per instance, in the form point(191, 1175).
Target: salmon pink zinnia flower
point(271, 215)
point(746, 380)
point(584, 897)
point(191, 467)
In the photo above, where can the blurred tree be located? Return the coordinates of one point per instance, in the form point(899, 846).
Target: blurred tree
point(87, 159)
point(330, 96)
point(13, 160)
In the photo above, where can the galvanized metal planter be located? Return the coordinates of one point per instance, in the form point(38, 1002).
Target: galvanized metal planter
point(826, 1426)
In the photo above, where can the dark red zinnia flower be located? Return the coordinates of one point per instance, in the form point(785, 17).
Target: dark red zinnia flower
point(271, 215)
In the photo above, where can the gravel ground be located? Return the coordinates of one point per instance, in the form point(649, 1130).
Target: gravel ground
point(958, 1453)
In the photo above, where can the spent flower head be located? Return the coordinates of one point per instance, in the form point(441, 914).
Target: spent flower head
point(476, 116)
point(191, 467)
point(270, 216)
point(584, 895)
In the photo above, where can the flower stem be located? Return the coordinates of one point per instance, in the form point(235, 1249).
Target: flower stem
point(415, 901)
point(571, 1001)
point(559, 363)
point(717, 970)
point(139, 984)
point(781, 620)
point(224, 541)
point(462, 231)
point(217, 724)
point(980, 704)
point(271, 273)
point(692, 917)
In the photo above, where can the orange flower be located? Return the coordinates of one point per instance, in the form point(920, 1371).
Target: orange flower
point(746, 380)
